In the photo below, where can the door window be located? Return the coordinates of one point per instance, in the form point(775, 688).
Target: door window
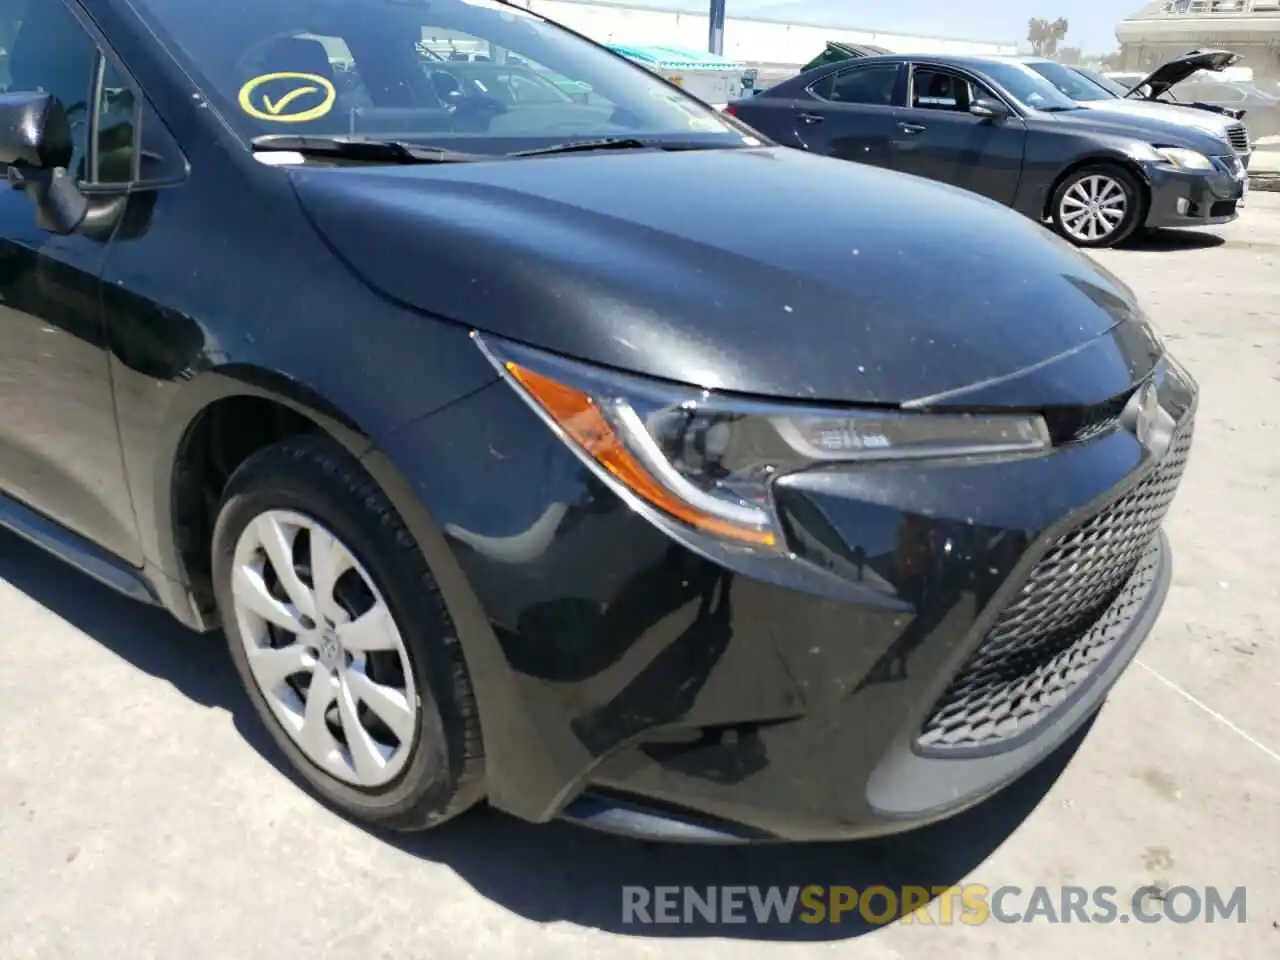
point(933, 89)
point(117, 129)
point(48, 51)
point(44, 48)
point(873, 84)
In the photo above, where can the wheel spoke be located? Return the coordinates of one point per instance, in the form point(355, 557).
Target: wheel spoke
point(251, 591)
point(328, 562)
point(388, 703)
point(366, 758)
point(332, 646)
point(271, 666)
point(372, 630)
point(314, 736)
point(278, 546)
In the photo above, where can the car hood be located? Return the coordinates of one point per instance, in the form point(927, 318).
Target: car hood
point(1187, 115)
point(1173, 72)
point(1150, 123)
point(761, 271)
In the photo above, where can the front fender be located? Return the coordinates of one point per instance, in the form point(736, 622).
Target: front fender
point(157, 506)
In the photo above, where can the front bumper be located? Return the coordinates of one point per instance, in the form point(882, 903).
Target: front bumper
point(890, 674)
point(1189, 198)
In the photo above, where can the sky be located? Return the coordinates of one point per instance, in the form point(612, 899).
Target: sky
point(1092, 22)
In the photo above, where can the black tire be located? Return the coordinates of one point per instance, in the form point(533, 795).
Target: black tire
point(1135, 204)
point(314, 476)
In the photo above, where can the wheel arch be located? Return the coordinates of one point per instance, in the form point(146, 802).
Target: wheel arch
point(267, 405)
point(1096, 158)
point(505, 729)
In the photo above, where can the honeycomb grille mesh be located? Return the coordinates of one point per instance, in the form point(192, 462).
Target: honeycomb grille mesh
point(1071, 611)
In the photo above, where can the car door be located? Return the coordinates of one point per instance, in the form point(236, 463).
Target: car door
point(936, 136)
point(59, 443)
point(850, 114)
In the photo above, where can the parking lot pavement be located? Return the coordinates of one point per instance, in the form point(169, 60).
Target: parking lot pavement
point(143, 815)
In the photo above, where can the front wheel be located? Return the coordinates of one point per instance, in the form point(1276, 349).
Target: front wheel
point(1098, 206)
point(342, 640)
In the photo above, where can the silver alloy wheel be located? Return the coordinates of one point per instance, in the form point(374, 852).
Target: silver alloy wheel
point(1093, 208)
point(340, 685)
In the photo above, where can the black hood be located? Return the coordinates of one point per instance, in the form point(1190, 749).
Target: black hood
point(1172, 73)
point(761, 271)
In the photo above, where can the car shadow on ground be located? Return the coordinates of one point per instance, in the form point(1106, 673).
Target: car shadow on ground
point(558, 872)
point(1158, 240)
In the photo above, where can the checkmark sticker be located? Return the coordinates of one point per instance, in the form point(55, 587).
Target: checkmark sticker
point(277, 107)
point(286, 109)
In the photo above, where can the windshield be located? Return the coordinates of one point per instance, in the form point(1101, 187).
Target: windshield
point(1028, 87)
point(1118, 90)
point(473, 75)
point(1074, 85)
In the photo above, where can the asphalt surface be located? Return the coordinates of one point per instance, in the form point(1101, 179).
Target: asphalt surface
point(142, 813)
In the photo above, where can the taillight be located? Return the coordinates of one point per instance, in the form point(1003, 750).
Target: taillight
point(731, 109)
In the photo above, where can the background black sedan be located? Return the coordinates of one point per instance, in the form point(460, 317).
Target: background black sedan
point(995, 127)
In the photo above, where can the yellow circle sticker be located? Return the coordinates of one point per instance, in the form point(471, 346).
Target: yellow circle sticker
point(292, 98)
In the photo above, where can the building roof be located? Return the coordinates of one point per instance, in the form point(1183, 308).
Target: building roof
point(1205, 9)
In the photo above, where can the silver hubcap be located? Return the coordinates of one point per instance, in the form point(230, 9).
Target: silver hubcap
point(1093, 208)
point(324, 649)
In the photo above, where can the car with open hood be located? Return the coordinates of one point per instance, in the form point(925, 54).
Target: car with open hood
point(998, 127)
point(1237, 96)
point(1150, 97)
point(514, 456)
point(1146, 93)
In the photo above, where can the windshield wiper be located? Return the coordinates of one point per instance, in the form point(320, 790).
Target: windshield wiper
point(1060, 108)
point(614, 143)
point(359, 148)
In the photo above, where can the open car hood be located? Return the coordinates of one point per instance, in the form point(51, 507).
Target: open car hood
point(836, 51)
point(1170, 74)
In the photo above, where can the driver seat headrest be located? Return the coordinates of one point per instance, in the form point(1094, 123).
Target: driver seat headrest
point(298, 55)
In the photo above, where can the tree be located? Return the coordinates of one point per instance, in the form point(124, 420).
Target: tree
point(1045, 36)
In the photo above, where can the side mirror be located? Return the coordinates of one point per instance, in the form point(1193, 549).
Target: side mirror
point(988, 109)
point(35, 144)
point(34, 131)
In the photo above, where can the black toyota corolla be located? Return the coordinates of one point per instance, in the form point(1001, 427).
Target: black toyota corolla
point(551, 439)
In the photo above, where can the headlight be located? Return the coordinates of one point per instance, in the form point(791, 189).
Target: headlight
point(709, 460)
point(1185, 159)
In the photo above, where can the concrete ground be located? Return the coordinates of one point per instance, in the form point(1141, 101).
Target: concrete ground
point(143, 815)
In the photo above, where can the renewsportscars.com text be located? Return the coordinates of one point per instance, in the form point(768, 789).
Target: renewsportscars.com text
point(970, 904)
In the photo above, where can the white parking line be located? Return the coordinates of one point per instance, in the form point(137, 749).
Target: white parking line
point(1211, 712)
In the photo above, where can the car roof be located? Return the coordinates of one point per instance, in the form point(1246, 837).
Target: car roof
point(974, 61)
point(964, 61)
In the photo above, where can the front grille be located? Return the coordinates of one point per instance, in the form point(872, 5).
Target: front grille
point(1238, 137)
point(1075, 606)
